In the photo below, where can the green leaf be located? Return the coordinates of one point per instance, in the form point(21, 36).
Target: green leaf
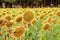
point(3, 31)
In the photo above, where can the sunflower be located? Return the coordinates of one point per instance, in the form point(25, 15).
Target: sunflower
point(1, 22)
point(19, 31)
point(13, 15)
point(53, 21)
point(8, 23)
point(19, 19)
point(49, 19)
point(42, 16)
point(58, 14)
point(46, 26)
point(28, 16)
point(50, 14)
point(8, 17)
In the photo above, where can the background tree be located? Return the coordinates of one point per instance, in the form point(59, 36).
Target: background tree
point(59, 2)
point(40, 3)
point(30, 3)
point(1, 3)
point(9, 2)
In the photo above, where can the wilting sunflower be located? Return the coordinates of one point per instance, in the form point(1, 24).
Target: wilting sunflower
point(46, 26)
point(28, 16)
point(19, 31)
point(58, 14)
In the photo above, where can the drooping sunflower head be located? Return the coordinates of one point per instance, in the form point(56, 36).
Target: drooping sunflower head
point(28, 16)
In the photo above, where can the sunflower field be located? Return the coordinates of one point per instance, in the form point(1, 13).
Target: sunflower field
point(29, 23)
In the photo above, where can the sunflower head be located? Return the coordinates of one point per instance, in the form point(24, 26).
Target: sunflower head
point(58, 14)
point(1, 22)
point(19, 19)
point(42, 16)
point(8, 23)
point(48, 19)
point(19, 31)
point(13, 15)
point(53, 21)
point(50, 14)
point(8, 17)
point(28, 16)
point(46, 26)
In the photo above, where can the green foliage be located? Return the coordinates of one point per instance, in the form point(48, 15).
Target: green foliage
point(3, 31)
point(33, 32)
point(10, 1)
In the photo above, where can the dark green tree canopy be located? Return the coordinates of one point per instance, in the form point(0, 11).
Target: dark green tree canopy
point(10, 1)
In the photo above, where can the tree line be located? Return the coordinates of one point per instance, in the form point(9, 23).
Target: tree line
point(29, 3)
